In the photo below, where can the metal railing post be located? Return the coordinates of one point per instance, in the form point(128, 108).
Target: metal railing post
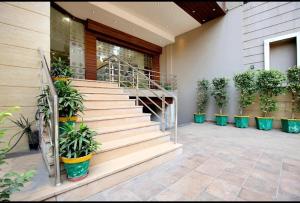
point(109, 75)
point(56, 143)
point(163, 120)
point(119, 73)
point(149, 84)
point(137, 90)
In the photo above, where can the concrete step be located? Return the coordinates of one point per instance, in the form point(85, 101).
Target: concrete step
point(137, 129)
point(121, 128)
point(93, 83)
point(105, 104)
point(122, 147)
point(100, 90)
point(103, 175)
point(112, 111)
point(116, 120)
point(104, 96)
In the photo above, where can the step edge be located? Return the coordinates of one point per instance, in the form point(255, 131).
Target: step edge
point(151, 123)
point(80, 184)
point(121, 117)
point(158, 135)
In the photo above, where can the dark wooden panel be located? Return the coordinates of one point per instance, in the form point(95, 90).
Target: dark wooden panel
point(121, 38)
point(90, 56)
point(202, 11)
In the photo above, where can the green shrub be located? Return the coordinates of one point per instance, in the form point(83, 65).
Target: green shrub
point(70, 101)
point(202, 95)
point(293, 86)
point(43, 106)
point(59, 68)
point(269, 84)
point(76, 142)
point(10, 182)
point(219, 92)
point(246, 84)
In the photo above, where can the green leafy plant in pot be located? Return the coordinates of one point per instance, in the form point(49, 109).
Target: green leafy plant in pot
point(202, 100)
point(60, 70)
point(76, 147)
point(269, 85)
point(11, 181)
point(246, 84)
point(70, 102)
point(219, 92)
point(292, 124)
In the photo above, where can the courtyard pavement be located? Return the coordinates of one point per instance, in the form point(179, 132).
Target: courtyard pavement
point(220, 163)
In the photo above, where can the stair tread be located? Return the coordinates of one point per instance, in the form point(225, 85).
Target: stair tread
point(111, 117)
point(100, 171)
point(110, 129)
point(116, 107)
point(115, 144)
point(98, 81)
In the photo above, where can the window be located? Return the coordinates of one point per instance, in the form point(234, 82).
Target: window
point(282, 52)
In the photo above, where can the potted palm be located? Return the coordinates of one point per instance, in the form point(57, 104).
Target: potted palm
point(202, 100)
point(70, 102)
point(292, 125)
point(269, 84)
point(246, 85)
point(26, 129)
point(60, 70)
point(219, 92)
point(76, 147)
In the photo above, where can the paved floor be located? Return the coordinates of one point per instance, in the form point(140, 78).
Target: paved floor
point(220, 163)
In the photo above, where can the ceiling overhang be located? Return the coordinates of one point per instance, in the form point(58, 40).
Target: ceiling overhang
point(203, 11)
point(155, 22)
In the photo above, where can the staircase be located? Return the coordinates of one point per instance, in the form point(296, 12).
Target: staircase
point(122, 128)
point(131, 144)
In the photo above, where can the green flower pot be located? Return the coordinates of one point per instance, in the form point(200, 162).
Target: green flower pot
point(77, 168)
point(241, 121)
point(290, 125)
point(221, 120)
point(199, 118)
point(69, 120)
point(264, 123)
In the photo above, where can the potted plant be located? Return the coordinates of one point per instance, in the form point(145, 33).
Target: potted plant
point(60, 70)
point(269, 84)
point(219, 92)
point(202, 100)
point(11, 181)
point(26, 129)
point(70, 102)
point(76, 146)
point(246, 85)
point(292, 125)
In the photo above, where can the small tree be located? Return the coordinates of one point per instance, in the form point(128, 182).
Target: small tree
point(219, 92)
point(269, 84)
point(202, 95)
point(293, 86)
point(246, 85)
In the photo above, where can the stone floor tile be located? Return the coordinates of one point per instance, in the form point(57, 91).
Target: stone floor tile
point(289, 186)
point(143, 187)
point(250, 195)
point(261, 185)
point(204, 196)
point(169, 176)
point(119, 194)
point(223, 190)
point(213, 167)
point(231, 178)
point(291, 168)
point(187, 188)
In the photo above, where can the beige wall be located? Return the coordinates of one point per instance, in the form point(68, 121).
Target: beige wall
point(24, 27)
point(226, 46)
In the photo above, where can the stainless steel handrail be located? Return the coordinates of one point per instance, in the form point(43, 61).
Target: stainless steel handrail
point(137, 75)
point(52, 124)
point(163, 78)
